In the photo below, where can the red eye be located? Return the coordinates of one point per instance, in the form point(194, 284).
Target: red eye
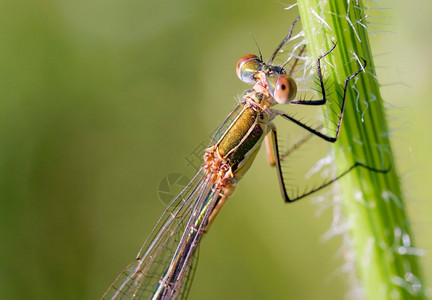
point(247, 67)
point(285, 89)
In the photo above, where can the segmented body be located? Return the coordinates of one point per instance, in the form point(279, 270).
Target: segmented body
point(228, 157)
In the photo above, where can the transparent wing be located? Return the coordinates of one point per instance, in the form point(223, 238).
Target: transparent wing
point(184, 293)
point(179, 279)
point(142, 276)
point(226, 124)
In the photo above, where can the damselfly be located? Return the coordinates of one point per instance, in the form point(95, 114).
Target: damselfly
point(163, 268)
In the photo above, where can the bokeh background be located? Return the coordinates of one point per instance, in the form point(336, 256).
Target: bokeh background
point(99, 100)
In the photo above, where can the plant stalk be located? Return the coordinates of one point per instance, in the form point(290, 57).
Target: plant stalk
point(382, 247)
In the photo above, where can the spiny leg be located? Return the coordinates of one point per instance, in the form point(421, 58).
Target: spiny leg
point(324, 185)
point(316, 132)
point(278, 163)
point(322, 86)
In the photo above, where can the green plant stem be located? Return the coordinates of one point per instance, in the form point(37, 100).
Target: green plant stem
point(382, 245)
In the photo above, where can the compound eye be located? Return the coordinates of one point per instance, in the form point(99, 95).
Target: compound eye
point(247, 67)
point(282, 87)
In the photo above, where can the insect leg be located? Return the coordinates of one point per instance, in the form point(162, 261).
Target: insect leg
point(284, 192)
point(316, 131)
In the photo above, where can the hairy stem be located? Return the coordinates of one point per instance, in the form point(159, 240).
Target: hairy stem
point(381, 242)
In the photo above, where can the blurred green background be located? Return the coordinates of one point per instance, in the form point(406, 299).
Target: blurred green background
point(101, 99)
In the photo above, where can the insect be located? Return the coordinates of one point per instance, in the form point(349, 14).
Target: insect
point(164, 268)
